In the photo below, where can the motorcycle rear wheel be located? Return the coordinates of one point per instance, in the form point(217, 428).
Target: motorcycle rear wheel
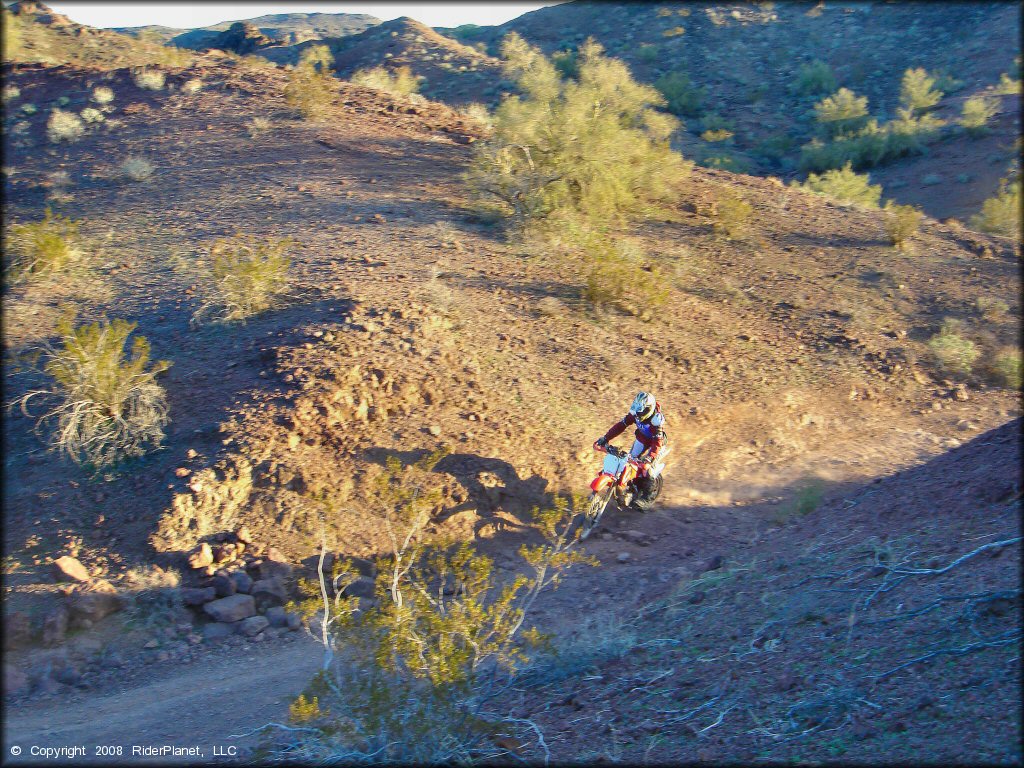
point(643, 506)
point(595, 508)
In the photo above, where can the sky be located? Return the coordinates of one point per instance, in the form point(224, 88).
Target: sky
point(202, 14)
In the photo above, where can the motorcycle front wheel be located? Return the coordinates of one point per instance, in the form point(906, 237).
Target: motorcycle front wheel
point(595, 508)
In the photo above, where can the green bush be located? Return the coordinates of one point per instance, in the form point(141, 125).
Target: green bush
point(401, 82)
point(976, 113)
point(1000, 215)
point(553, 154)
point(846, 186)
point(311, 88)
point(872, 144)
point(1007, 368)
point(841, 113)
point(246, 276)
point(952, 350)
point(43, 247)
point(917, 92)
point(902, 222)
point(814, 78)
point(647, 53)
point(732, 215)
point(681, 96)
point(105, 406)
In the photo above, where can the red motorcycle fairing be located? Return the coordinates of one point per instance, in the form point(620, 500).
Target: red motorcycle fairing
point(601, 482)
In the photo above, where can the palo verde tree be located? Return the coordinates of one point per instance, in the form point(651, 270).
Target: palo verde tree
point(591, 148)
point(414, 675)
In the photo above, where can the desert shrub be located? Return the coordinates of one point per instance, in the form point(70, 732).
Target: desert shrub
point(909, 134)
point(135, 168)
point(193, 85)
point(647, 53)
point(246, 276)
point(814, 78)
point(567, 63)
point(1007, 367)
point(554, 155)
point(407, 680)
point(721, 134)
point(258, 126)
point(1007, 86)
point(952, 350)
point(725, 160)
point(64, 126)
point(1000, 215)
point(992, 310)
point(871, 144)
point(674, 32)
point(91, 115)
point(43, 247)
point(102, 95)
point(917, 92)
point(10, 93)
point(902, 222)
point(681, 96)
point(976, 113)
point(732, 215)
point(311, 88)
point(841, 113)
point(846, 186)
point(479, 114)
point(149, 79)
point(401, 82)
point(806, 500)
point(104, 405)
point(29, 109)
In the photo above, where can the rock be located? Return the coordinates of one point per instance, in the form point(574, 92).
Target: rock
point(95, 604)
point(242, 37)
point(365, 567)
point(47, 686)
point(294, 621)
point(225, 552)
point(277, 616)
point(269, 592)
point(623, 557)
point(234, 608)
point(965, 426)
point(960, 393)
point(243, 581)
point(697, 597)
point(17, 630)
point(714, 563)
point(269, 568)
point(55, 626)
point(68, 568)
point(201, 557)
point(218, 631)
point(363, 587)
point(636, 537)
point(243, 535)
point(16, 682)
point(198, 595)
point(253, 625)
point(224, 586)
point(435, 430)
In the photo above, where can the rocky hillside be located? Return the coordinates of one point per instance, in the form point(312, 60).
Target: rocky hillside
point(793, 355)
point(453, 73)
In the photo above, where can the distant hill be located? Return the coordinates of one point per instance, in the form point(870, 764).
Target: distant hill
point(286, 28)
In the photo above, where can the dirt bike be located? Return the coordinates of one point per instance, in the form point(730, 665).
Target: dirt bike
point(617, 479)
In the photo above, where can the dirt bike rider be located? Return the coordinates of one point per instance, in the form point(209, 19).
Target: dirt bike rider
point(645, 413)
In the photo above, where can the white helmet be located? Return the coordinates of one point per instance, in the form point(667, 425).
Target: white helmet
point(643, 406)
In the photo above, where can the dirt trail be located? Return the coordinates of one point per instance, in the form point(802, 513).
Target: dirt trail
point(201, 705)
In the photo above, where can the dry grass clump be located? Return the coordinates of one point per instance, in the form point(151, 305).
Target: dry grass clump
point(43, 247)
point(135, 168)
point(10, 93)
point(150, 79)
point(195, 85)
point(102, 95)
point(92, 115)
point(549, 306)
point(258, 126)
point(401, 82)
point(246, 277)
point(479, 114)
point(105, 406)
point(64, 126)
point(902, 222)
point(952, 350)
